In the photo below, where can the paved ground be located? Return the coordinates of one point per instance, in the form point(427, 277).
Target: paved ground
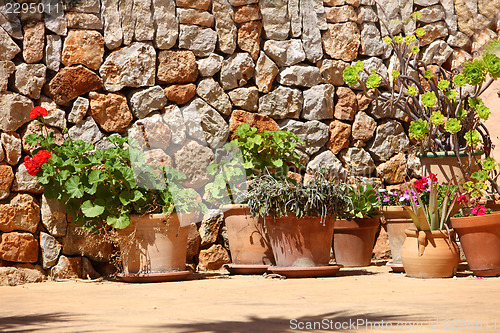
point(360, 300)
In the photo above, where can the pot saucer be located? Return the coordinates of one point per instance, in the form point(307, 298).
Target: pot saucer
point(246, 269)
point(319, 271)
point(153, 277)
point(396, 268)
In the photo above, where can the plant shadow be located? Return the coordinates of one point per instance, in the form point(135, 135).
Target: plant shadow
point(340, 321)
point(32, 323)
point(355, 272)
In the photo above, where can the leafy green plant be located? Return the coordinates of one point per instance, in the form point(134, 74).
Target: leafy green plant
point(365, 202)
point(103, 187)
point(251, 153)
point(269, 196)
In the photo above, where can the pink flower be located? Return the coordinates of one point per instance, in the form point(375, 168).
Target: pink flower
point(239, 185)
point(462, 198)
point(478, 210)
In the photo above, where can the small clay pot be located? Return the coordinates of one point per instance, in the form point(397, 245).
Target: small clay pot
point(353, 241)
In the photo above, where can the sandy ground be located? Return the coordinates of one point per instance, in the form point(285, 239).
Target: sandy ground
point(359, 300)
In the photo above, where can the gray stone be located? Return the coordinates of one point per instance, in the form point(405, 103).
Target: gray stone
point(395, 111)
point(50, 250)
point(212, 93)
point(459, 39)
point(318, 102)
point(319, 9)
point(8, 48)
point(146, 100)
point(55, 116)
point(236, 71)
point(197, 39)
point(371, 41)
point(6, 69)
point(209, 227)
point(358, 161)
point(151, 132)
point(79, 110)
point(437, 53)
point(390, 138)
point(21, 274)
point(84, 6)
point(224, 25)
point(406, 10)
point(330, 163)
point(367, 14)
point(192, 159)
point(130, 66)
point(10, 22)
point(363, 127)
point(11, 143)
point(450, 16)
point(425, 3)
point(29, 79)
point(54, 20)
point(54, 216)
point(210, 65)
point(295, 18)
point(275, 19)
point(173, 118)
point(86, 130)
point(245, 98)
point(372, 63)
point(83, 21)
point(128, 19)
point(14, 111)
point(300, 75)
point(53, 49)
point(113, 33)
point(23, 181)
point(432, 14)
point(195, 16)
point(165, 22)
point(282, 102)
point(265, 72)
point(285, 53)
point(67, 268)
point(332, 70)
point(144, 29)
point(314, 133)
point(414, 166)
point(311, 34)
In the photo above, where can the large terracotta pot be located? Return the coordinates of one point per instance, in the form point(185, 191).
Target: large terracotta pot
point(154, 243)
point(353, 241)
point(430, 254)
point(248, 240)
point(397, 221)
point(445, 166)
point(304, 242)
point(480, 239)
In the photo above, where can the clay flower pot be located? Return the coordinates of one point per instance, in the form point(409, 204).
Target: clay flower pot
point(445, 165)
point(353, 241)
point(480, 239)
point(430, 254)
point(397, 221)
point(153, 248)
point(248, 241)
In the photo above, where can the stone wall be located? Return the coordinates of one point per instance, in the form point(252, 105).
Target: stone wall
point(197, 69)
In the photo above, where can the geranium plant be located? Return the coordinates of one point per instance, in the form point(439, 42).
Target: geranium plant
point(103, 187)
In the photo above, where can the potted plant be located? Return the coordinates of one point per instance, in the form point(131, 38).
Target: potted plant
point(354, 236)
point(444, 106)
point(396, 221)
point(430, 250)
point(249, 154)
point(299, 220)
point(115, 189)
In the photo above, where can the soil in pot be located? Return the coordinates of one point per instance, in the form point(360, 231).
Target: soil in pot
point(480, 240)
point(353, 241)
point(153, 244)
point(430, 254)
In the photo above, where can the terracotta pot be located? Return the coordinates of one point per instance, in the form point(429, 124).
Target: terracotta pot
point(445, 166)
point(353, 241)
point(430, 254)
point(248, 241)
point(480, 239)
point(397, 221)
point(154, 243)
point(304, 242)
point(494, 205)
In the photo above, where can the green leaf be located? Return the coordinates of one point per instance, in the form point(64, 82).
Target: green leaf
point(96, 176)
point(120, 222)
point(277, 163)
point(90, 209)
point(74, 187)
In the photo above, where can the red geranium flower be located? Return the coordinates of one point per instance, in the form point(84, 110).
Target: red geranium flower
point(433, 177)
point(478, 210)
point(34, 164)
point(462, 198)
point(420, 184)
point(38, 111)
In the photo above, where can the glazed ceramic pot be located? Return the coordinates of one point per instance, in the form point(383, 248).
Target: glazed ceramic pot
point(480, 240)
point(430, 254)
point(397, 221)
point(353, 241)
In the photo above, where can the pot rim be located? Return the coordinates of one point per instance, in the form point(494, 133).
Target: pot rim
point(475, 221)
point(446, 154)
point(413, 232)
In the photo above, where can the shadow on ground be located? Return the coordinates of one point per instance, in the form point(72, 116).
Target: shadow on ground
point(341, 321)
point(33, 323)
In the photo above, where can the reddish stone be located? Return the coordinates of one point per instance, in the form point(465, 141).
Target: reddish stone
point(213, 258)
point(110, 111)
point(363, 127)
point(67, 268)
point(84, 47)
point(33, 42)
point(180, 93)
point(260, 121)
point(382, 249)
point(19, 247)
point(247, 13)
point(339, 136)
point(6, 179)
point(72, 82)
point(198, 4)
point(195, 16)
point(249, 38)
point(347, 104)
point(40, 129)
point(177, 67)
point(22, 213)
point(363, 101)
